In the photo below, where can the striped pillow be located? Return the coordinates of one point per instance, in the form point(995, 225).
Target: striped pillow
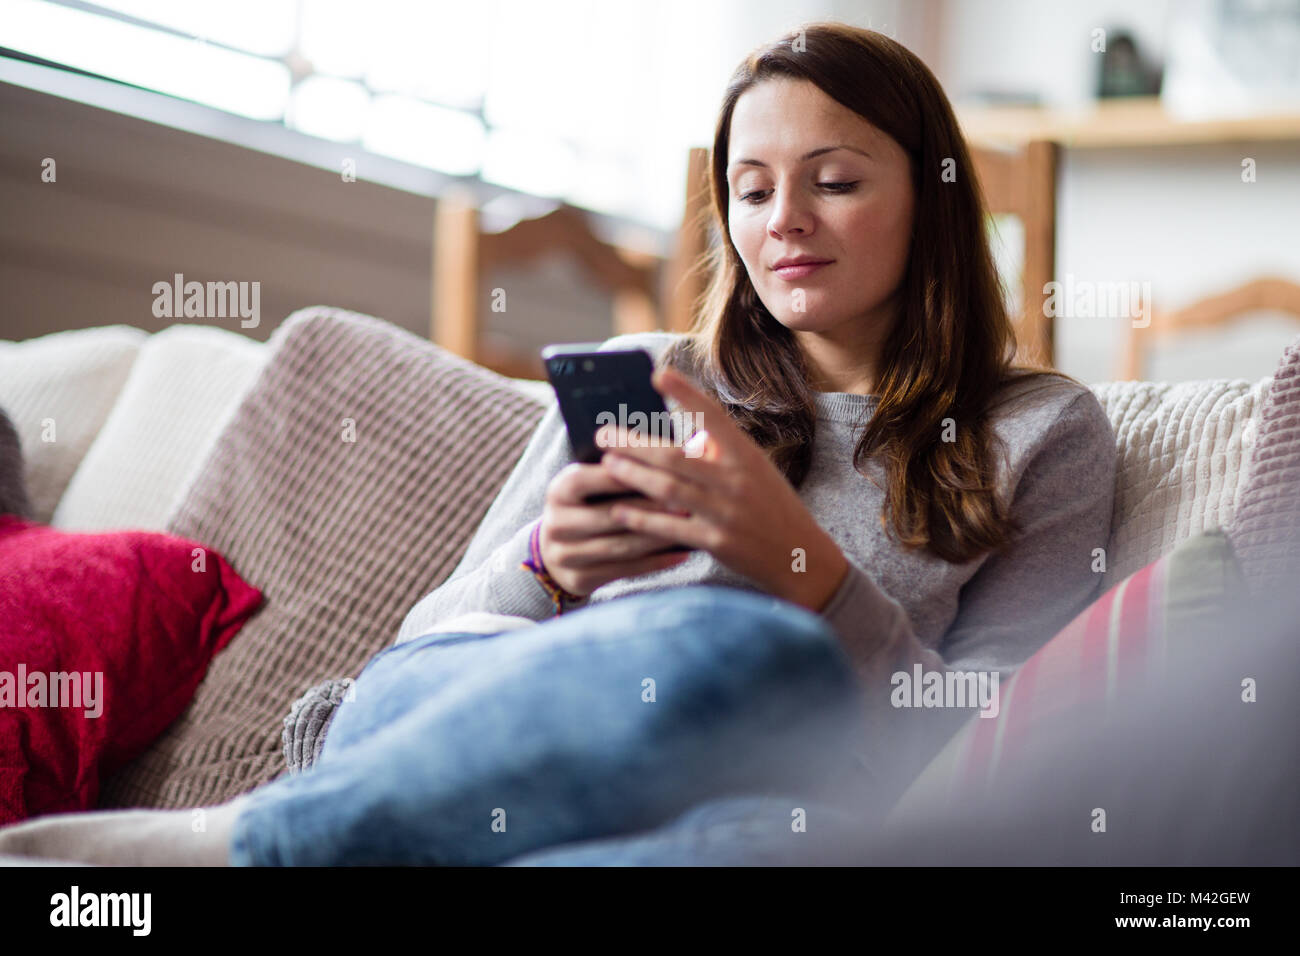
point(1107, 654)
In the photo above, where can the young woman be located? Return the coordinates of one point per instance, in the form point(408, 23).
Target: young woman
point(881, 492)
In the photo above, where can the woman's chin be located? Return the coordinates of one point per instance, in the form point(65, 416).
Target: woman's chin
point(807, 321)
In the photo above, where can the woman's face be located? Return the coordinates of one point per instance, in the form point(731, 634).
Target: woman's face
point(810, 178)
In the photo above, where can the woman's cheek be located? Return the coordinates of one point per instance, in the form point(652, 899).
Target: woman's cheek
point(881, 238)
point(749, 246)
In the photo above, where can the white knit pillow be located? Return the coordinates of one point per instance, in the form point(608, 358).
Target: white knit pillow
point(187, 382)
point(1184, 449)
point(58, 389)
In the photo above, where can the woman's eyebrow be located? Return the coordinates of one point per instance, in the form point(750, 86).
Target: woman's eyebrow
point(811, 154)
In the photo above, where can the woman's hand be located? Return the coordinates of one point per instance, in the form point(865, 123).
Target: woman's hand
point(582, 546)
point(722, 494)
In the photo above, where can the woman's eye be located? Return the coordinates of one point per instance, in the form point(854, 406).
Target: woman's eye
point(756, 196)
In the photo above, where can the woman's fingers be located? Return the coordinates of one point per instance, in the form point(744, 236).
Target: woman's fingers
point(666, 488)
point(583, 546)
point(725, 437)
point(602, 573)
point(573, 523)
point(576, 482)
point(608, 549)
point(573, 518)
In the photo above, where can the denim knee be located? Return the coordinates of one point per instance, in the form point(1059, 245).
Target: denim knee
point(717, 610)
point(707, 603)
point(776, 644)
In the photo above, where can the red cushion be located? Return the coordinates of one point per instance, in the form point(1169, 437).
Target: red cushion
point(141, 613)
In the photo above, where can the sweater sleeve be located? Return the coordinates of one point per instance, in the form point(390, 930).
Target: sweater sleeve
point(489, 577)
point(1015, 602)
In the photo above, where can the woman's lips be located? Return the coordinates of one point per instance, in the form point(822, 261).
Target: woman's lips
point(800, 271)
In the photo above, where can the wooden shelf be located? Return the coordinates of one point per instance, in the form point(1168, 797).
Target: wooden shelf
point(1129, 122)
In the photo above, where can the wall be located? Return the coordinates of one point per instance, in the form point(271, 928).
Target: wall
point(134, 202)
point(1178, 217)
point(1181, 218)
point(138, 201)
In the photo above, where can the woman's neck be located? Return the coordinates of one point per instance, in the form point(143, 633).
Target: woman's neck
point(845, 360)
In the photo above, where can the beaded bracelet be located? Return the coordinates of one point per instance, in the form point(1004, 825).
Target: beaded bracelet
point(535, 565)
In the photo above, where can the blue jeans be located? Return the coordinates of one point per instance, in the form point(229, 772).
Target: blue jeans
point(776, 830)
point(463, 749)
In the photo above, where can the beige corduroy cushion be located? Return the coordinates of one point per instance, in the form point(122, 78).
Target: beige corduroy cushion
point(346, 486)
point(58, 389)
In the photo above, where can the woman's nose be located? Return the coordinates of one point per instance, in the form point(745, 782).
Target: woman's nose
point(789, 215)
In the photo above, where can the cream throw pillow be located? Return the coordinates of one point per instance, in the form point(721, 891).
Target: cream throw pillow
point(186, 383)
point(58, 389)
point(1183, 452)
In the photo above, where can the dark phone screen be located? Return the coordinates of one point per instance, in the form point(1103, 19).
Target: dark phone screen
point(594, 387)
point(613, 384)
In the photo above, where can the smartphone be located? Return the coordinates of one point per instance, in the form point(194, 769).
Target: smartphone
point(615, 382)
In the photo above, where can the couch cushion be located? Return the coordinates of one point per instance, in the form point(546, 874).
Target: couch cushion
point(1116, 649)
point(186, 383)
point(1183, 451)
point(58, 389)
point(13, 483)
point(113, 632)
point(346, 486)
point(534, 388)
point(1266, 528)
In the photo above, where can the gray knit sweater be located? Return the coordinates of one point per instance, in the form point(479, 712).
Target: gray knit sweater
point(988, 614)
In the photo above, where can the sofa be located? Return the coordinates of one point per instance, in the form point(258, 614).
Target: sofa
point(341, 468)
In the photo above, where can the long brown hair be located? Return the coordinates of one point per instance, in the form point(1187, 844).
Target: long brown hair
point(952, 347)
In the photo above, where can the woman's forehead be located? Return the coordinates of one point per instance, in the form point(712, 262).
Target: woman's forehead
point(786, 118)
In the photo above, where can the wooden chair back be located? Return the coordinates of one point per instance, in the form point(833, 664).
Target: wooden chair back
point(1264, 294)
point(463, 253)
point(1022, 183)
